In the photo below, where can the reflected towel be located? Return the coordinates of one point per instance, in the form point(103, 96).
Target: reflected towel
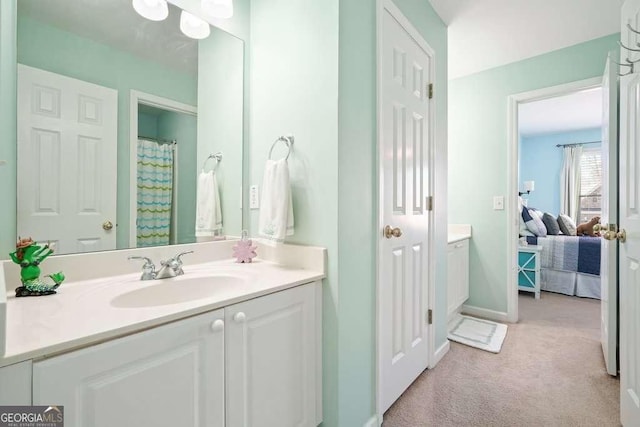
point(208, 213)
point(276, 209)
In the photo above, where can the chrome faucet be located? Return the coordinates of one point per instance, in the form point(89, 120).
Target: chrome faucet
point(148, 269)
point(175, 263)
point(170, 268)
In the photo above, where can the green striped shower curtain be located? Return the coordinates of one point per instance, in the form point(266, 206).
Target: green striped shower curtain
point(155, 189)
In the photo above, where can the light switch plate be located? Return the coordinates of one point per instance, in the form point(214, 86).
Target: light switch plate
point(498, 203)
point(254, 197)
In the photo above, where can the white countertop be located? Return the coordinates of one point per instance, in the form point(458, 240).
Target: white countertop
point(458, 232)
point(81, 312)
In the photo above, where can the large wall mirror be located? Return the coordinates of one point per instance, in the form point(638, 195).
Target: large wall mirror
point(119, 119)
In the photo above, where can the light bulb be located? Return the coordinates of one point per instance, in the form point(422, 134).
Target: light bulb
point(155, 10)
point(221, 9)
point(193, 27)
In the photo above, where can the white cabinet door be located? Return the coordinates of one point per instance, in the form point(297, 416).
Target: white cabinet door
point(271, 360)
point(169, 376)
point(15, 384)
point(462, 256)
point(458, 275)
point(452, 279)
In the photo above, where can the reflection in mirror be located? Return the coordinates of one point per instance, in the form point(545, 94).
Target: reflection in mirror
point(102, 95)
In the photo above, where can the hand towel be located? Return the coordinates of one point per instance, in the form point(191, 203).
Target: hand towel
point(276, 209)
point(208, 213)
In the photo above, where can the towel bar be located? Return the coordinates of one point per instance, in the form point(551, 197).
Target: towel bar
point(288, 140)
point(217, 156)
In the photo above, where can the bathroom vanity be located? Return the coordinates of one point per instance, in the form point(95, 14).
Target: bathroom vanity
point(458, 268)
point(225, 344)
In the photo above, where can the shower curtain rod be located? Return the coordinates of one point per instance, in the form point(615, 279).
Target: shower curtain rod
point(578, 143)
point(170, 141)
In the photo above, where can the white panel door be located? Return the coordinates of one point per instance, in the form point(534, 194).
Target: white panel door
point(169, 376)
point(67, 152)
point(609, 252)
point(629, 255)
point(271, 360)
point(405, 67)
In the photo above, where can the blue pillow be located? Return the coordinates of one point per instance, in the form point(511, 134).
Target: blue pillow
point(533, 222)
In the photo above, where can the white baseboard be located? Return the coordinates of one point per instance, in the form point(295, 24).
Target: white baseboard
point(439, 354)
point(373, 422)
point(497, 316)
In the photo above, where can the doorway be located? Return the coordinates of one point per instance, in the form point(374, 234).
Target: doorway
point(164, 129)
point(576, 179)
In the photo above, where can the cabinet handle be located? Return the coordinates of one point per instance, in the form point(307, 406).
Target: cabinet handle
point(459, 245)
point(217, 325)
point(239, 317)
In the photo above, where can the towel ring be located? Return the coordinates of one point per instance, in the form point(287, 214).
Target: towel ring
point(217, 156)
point(288, 140)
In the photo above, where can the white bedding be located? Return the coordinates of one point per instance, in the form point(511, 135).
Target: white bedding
point(570, 283)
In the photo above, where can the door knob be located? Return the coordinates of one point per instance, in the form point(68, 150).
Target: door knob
point(390, 232)
point(622, 236)
point(107, 225)
point(239, 317)
point(609, 235)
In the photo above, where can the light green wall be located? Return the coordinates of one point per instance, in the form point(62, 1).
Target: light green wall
point(294, 89)
point(220, 124)
point(148, 125)
point(321, 86)
point(358, 200)
point(478, 153)
point(58, 51)
point(8, 129)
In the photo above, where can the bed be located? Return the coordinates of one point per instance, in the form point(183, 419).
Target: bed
point(569, 265)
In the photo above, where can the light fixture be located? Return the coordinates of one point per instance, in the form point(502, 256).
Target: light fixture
point(221, 9)
point(155, 10)
point(528, 187)
point(193, 27)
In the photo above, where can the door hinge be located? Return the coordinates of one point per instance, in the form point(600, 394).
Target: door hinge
point(429, 203)
point(429, 316)
point(430, 90)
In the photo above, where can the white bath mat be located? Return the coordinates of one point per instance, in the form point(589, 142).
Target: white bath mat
point(479, 333)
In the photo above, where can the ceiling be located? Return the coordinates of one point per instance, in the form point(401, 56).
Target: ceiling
point(580, 110)
point(484, 34)
point(116, 24)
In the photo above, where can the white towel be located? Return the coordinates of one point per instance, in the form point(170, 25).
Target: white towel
point(208, 213)
point(276, 209)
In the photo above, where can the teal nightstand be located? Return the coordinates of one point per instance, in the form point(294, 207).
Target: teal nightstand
point(529, 269)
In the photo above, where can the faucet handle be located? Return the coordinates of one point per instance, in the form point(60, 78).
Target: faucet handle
point(148, 269)
point(176, 262)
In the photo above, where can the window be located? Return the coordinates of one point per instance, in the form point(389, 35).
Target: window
point(590, 184)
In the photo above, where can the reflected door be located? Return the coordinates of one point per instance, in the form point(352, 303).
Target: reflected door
point(67, 151)
point(609, 252)
point(406, 67)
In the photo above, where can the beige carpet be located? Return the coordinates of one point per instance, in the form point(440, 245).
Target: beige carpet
point(550, 372)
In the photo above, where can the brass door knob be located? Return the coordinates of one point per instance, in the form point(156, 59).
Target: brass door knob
point(609, 235)
point(622, 236)
point(107, 225)
point(390, 232)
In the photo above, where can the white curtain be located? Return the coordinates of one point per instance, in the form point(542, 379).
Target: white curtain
point(570, 182)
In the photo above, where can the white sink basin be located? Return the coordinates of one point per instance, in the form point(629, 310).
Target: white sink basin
point(178, 290)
